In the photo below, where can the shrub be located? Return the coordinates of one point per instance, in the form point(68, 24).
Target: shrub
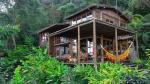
point(12, 59)
point(82, 73)
point(17, 77)
point(148, 55)
point(39, 68)
point(108, 73)
point(136, 77)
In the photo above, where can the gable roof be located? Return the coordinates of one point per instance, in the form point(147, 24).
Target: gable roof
point(54, 27)
point(99, 7)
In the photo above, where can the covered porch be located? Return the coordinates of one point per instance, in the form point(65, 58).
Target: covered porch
point(81, 43)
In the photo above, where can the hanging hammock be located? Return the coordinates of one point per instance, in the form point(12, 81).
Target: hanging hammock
point(114, 58)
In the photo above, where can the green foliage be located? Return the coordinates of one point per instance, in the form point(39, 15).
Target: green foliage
point(141, 23)
point(136, 22)
point(82, 73)
point(148, 56)
point(17, 77)
point(109, 73)
point(5, 33)
point(67, 9)
point(29, 40)
point(136, 77)
point(147, 52)
point(139, 6)
point(39, 68)
point(8, 30)
point(12, 59)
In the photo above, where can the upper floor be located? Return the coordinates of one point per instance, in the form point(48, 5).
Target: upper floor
point(104, 13)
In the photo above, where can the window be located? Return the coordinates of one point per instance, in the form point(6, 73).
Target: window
point(111, 21)
point(122, 24)
point(84, 15)
point(89, 13)
point(107, 20)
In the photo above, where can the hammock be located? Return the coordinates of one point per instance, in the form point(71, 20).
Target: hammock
point(114, 58)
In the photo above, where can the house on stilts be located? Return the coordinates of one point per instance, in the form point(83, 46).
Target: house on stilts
point(95, 34)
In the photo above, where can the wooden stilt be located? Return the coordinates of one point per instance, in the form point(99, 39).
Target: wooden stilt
point(40, 39)
point(87, 49)
point(48, 48)
point(94, 45)
point(70, 47)
point(78, 44)
point(116, 41)
point(121, 47)
point(102, 52)
point(54, 53)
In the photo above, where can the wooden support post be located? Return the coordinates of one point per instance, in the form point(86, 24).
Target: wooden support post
point(78, 44)
point(137, 44)
point(116, 41)
point(52, 45)
point(94, 45)
point(102, 52)
point(87, 48)
point(54, 53)
point(48, 48)
point(127, 43)
point(70, 47)
point(101, 15)
point(39, 39)
point(121, 47)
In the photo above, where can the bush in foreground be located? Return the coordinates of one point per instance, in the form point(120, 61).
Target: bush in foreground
point(39, 69)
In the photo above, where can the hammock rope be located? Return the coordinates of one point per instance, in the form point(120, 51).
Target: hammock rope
point(114, 58)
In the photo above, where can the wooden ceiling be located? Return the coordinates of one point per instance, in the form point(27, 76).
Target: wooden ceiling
point(107, 30)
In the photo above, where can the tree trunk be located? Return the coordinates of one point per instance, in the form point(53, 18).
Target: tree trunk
point(14, 41)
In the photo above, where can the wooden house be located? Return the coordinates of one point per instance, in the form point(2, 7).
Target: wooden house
point(79, 39)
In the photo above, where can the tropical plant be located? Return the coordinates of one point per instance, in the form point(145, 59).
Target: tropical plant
point(108, 73)
point(148, 56)
point(17, 77)
point(82, 72)
point(67, 9)
point(6, 32)
point(39, 68)
point(11, 60)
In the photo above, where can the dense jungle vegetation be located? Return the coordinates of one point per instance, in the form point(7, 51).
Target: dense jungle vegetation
point(22, 62)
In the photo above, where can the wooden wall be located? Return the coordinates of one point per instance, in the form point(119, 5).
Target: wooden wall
point(111, 16)
point(102, 14)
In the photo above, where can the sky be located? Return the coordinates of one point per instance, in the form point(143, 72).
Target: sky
point(3, 7)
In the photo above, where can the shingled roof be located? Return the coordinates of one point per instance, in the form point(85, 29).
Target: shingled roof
point(99, 7)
